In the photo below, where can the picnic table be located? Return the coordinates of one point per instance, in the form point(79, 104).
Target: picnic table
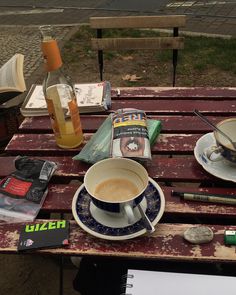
point(173, 166)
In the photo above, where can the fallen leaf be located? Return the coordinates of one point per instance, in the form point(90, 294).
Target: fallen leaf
point(132, 78)
point(127, 57)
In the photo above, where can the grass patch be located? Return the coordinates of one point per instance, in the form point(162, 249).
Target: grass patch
point(200, 56)
point(203, 52)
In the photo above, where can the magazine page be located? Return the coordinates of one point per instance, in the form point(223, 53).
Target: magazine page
point(89, 94)
point(37, 99)
point(86, 94)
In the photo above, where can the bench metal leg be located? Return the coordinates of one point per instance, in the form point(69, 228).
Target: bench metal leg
point(175, 55)
point(61, 276)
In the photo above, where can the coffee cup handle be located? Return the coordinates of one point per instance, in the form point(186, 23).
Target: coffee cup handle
point(214, 150)
point(130, 213)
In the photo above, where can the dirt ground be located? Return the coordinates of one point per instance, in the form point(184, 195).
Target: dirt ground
point(128, 71)
point(142, 67)
point(34, 275)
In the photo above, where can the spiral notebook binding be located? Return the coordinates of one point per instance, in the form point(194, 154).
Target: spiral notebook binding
point(126, 285)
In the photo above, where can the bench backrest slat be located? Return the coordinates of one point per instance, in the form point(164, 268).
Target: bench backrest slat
point(138, 43)
point(169, 21)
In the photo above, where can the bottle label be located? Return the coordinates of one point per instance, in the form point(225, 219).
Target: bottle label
point(51, 55)
point(75, 118)
point(63, 112)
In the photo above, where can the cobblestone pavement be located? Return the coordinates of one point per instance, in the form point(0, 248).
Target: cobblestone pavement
point(25, 40)
point(20, 33)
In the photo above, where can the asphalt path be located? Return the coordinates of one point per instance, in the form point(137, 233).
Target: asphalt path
point(210, 17)
point(70, 11)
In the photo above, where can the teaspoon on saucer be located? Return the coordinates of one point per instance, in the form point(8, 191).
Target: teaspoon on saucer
point(148, 225)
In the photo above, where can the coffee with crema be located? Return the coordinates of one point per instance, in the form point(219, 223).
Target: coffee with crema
point(116, 190)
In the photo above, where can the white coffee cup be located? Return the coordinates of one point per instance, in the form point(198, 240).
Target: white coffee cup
point(223, 149)
point(116, 185)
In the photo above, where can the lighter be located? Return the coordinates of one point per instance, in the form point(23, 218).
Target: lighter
point(230, 237)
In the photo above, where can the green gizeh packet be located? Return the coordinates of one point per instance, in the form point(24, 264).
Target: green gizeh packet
point(98, 147)
point(154, 129)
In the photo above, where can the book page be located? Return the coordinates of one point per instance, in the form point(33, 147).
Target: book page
point(20, 73)
point(11, 74)
point(140, 282)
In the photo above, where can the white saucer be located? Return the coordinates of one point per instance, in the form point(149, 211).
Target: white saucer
point(112, 226)
point(221, 169)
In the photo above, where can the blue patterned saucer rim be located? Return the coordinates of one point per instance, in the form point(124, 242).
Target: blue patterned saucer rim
point(86, 219)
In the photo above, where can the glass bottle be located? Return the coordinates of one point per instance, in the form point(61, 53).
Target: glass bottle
point(60, 95)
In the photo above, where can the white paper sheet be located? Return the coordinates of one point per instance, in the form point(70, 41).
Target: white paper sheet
point(140, 282)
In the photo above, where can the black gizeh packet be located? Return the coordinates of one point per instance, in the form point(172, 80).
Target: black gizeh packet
point(44, 234)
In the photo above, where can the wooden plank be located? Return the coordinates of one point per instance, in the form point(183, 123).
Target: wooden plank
point(177, 169)
point(166, 243)
point(137, 43)
point(177, 107)
point(59, 199)
point(33, 144)
point(90, 123)
point(192, 93)
point(43, 144)
point(169, 21)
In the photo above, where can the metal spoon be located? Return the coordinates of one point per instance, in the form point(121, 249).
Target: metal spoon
point(148, 225)
point(196, 112)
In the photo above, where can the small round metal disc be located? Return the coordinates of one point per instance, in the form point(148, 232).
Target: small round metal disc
point(198, 235)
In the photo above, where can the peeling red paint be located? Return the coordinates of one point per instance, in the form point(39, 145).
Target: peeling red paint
point(172, 163)
point(176, 92)
point(170, 124)
point(166, 243)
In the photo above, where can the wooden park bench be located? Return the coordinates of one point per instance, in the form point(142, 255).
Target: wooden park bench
point(138, 22)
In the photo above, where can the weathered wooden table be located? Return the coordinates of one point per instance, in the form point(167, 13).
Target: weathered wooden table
point(173, 165)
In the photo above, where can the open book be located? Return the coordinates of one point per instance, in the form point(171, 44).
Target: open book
point(12, 81)
point(91, 97)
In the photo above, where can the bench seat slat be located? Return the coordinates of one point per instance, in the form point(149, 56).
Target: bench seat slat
point(59, 199)
point(192, 93)
point(170, 124)
point(166, 243)
point(176, 107)
point(176, 169)
point(31, 144)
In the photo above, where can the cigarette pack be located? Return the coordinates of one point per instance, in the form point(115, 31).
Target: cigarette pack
point(130, 134)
